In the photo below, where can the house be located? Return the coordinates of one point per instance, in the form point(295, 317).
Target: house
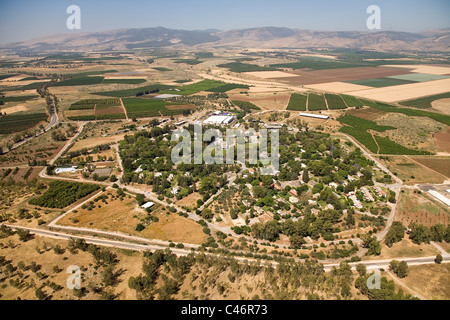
point(293, 200)
point(175, 190)
point(277, 187)
point(293, 192)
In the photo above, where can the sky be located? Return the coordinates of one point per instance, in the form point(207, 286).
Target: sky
point(26, 19)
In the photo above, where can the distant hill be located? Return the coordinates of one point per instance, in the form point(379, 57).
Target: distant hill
point(267, 37)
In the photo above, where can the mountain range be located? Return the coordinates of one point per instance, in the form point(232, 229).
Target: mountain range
point(266, 37)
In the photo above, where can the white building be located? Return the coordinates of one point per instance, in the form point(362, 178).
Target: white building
point(219, 120)
point(147, 205)
point(317, 116)
point(440, 197)
point(66, 170)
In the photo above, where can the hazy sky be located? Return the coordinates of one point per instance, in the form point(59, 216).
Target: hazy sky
point(25, 19)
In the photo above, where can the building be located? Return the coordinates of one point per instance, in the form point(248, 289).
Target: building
point(66, 170)
point(440, 197)
point(166, 96)
point(147, 205)
point(316, 116)
point(219, 120)
point(273, 126)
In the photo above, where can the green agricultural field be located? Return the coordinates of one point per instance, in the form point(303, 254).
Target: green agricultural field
point(182, 81)
point(439, 117)
point(82, 118)
point(29, 79)
point(146, 108)
point(31, 86)
point(191, 62)
point(228, 87)
point(91, 73)
point(388, 146)
point(162, 69)
point(380, 82)
point(61, 194)
point(297, 102)
point(79, 81)
point(18, 98)
point(335, 101)
point(362, 124)
point(316, 102)
point(205, 85)
point(20, 122)
point(425, 102)
point(419, 77)
point(357, 127)
point(132, 92)
point(90, 104)
point(6, 76)
point(351, 101)
point(111, 116)
point(317, 65)
point(123, 81)
point(142, 108)
point(239, 67)
point(362, 137)
point(246, 105)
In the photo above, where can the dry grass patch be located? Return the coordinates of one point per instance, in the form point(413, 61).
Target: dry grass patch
point(442, 140)
point(411, 172)
point(123, 216)
point(404, 249)
point(415, 207)
point(430, 281)
point(439, 164)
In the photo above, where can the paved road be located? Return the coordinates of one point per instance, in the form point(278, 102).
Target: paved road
point(371, 265)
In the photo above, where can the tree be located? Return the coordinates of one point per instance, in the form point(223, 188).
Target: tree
point(362, 269)
point(395, 234)
point(305, 176)
point(297, 241)
point(40, 294)
point(399, 268)
point(373, 246)
point(438, 232)
point(438, 259)
point(420, 234)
